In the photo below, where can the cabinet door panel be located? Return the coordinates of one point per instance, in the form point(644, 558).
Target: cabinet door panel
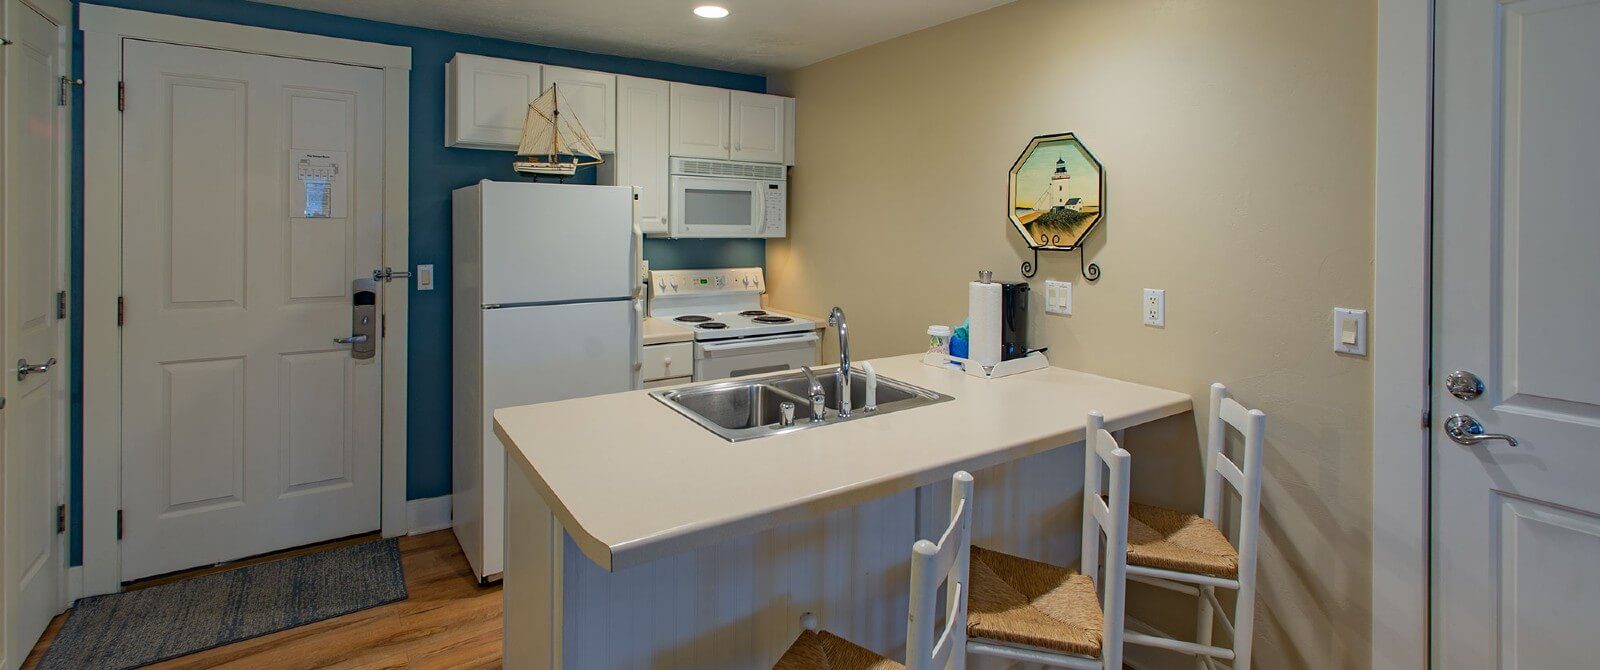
point(757, 127)
point(643, 117)
point(593, 97)
point(699, 121)
point(486, 101)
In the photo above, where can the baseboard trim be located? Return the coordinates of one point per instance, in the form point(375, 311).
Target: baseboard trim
point(74, 584)
point(426, 515)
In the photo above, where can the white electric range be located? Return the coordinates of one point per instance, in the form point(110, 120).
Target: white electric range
point(733, 335)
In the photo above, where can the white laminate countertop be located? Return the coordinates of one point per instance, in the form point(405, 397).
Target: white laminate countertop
point(663, 331)
point(633, 481)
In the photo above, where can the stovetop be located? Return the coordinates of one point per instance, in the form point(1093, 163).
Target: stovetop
point(742, 323)
point(719, 304)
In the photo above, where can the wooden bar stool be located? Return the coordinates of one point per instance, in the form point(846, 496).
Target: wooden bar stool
point(931, 565)
point(1034, 612)
point(1190, 554)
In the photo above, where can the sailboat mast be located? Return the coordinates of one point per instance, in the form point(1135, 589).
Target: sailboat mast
point(555, 123)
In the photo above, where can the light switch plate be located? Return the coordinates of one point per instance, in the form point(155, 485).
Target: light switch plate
point(1057, 297)
point(1154, 307)
point(425, 277)
point(1350, 331)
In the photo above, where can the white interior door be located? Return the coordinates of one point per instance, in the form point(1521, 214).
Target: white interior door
point(33, 418)
point(1517, 302)
point(246, 429)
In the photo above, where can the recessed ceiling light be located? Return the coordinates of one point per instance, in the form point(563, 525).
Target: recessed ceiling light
point(710, 11)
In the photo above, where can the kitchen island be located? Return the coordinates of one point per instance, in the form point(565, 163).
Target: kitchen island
point(637, 538)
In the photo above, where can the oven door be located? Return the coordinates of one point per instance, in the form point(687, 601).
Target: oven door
point(713, 207)
point(737, 358)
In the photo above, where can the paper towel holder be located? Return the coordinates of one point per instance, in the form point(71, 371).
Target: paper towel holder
point(1055, 198)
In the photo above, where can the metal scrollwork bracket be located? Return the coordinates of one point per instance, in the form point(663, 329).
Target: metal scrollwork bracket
point(1090, 271)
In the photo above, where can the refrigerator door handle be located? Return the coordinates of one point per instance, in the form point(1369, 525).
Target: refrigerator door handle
point(637, 349)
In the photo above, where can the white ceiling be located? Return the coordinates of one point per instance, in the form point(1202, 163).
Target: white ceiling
point(760, 36)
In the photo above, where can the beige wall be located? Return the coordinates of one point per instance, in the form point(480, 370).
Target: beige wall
point(1237, 137)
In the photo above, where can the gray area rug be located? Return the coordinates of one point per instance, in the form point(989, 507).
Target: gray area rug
point(127, 630)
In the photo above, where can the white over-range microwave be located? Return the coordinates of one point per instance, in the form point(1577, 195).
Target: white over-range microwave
point(717, 198)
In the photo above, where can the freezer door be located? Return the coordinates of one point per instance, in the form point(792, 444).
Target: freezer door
point(556, 242)
point(542, 354)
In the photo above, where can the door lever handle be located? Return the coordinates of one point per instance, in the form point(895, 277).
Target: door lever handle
point(353, 339)
point(1464, 429)
point(24, 368)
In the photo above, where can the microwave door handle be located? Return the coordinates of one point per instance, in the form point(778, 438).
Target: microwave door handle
point(751, 344)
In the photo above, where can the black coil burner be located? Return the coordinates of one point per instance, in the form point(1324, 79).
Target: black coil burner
point(772, 318)
point(712, 325)
point(693, 318)
point(752, 312)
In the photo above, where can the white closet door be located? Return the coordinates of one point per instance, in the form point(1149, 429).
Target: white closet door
point(246, 429)
point(32, 423)
point(1517, 527)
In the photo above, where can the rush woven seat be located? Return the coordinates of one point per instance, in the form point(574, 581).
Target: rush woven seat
point(1020, 601)
point(821, 650)
point(1171, 540)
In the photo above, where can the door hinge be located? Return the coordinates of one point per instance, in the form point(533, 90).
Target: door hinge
point(383, 326)
point(64, 92)
point(119, 524)
point(122, 311)
point(61, 519)
point(1427, 419)
point(61, 304)
point(122, 96)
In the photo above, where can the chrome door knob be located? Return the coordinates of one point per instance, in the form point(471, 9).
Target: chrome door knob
point(1464, 429)
point(1464, 385)
point(24, 368)
point(353, 339)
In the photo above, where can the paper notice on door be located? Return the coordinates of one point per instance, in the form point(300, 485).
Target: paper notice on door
point(317, 184)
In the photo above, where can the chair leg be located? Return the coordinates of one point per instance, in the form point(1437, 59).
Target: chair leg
point(1202, 626)
point(1244, 623)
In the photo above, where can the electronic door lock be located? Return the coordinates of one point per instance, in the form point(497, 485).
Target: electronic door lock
point(363, 339)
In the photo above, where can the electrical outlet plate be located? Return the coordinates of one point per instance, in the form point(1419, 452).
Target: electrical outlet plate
point(1350, 331)
point(1154, 307)
point(1057, 297)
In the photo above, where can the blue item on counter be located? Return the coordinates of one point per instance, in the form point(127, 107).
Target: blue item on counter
point(958, 345)
point(961, 330)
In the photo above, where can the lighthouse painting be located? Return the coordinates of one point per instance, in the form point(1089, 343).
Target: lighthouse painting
point(1055, 192)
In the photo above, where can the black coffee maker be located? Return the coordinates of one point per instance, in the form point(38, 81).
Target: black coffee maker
point(1013, 320)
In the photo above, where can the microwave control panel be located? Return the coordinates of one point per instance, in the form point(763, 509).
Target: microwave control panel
point(775, 198)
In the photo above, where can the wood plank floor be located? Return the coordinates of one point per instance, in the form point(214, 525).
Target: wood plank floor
point(449, 621)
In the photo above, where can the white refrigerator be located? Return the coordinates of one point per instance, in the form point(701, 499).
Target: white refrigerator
point(546, 307)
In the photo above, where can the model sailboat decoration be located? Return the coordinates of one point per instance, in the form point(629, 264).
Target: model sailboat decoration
point(553, 142)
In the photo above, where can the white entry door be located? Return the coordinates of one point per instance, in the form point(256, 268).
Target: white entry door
point(252, 198)
point(1516, 553)
point(33, 418)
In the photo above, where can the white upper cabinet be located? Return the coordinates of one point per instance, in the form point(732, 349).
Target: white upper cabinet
point(593, 97)
point(643, 113)
point(758, 129)
point(700, 121)
point(486, 100)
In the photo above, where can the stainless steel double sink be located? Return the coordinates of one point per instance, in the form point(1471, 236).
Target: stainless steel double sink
point(745, 409)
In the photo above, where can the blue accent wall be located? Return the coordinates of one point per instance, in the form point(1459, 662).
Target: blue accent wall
point(435, 172)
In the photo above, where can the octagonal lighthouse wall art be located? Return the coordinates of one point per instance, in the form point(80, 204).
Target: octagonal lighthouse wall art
point(1055, 192)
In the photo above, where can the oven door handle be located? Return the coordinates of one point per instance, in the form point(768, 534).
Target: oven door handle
point(763, 342)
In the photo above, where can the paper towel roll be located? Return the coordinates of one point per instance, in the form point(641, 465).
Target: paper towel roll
point(983, 333)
